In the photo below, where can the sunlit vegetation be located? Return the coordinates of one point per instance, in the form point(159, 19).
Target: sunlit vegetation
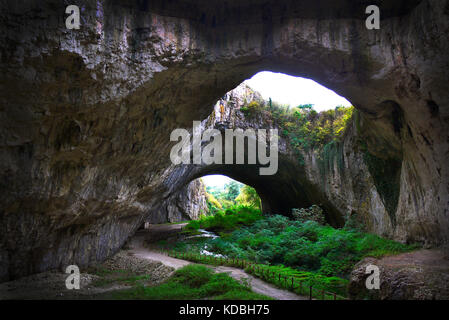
point(194, 282)
point(248, 196)
point(301, 244)
point(305, 128)
point(226, 220)
point(231, 194)
point(281, 276)
point(213, 205)
point(222, 197)
point(306, 246)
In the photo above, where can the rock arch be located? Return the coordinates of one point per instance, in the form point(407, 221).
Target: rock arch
point(134, 72)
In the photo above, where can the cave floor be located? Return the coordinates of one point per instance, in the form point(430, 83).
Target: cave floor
point(135, 263)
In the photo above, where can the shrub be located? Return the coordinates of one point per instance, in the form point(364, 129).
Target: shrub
point(227, 220)
point(194, 282)
point(314, 213)
point(306, 245)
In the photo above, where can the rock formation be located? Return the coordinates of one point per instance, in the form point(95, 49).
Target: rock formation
point(186, 204)
point(419, 275)
point(86, 115)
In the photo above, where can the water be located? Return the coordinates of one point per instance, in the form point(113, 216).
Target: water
point(210, 235)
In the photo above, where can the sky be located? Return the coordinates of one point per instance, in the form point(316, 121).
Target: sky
point(215, 180)
point(294, 91)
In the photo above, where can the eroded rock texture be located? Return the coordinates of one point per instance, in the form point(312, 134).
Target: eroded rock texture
point(85, 115)
point(419, 275)
point(186, 204)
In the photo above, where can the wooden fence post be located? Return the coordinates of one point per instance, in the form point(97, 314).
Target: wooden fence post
point(310, 293)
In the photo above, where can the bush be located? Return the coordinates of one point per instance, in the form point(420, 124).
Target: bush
point(227, 220)
point(306, 246)
point(314, 213)
point(194, 282)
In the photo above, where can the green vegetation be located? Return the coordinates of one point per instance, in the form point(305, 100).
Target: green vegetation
point(194, 282)
point(314, 213)
point(306, 249)
point(248, 196)
point(252, 108)
point(306, 246)
point(226, 220)
point(222, 197)
point(213, 205)
point(283, 277)
point(305, 128)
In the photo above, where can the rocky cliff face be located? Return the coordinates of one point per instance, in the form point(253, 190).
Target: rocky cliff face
point(86, 115)
point(419, 275)
point(186, 204)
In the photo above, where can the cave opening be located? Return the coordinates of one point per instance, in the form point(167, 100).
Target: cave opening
point(295, 101)
point(94, 124)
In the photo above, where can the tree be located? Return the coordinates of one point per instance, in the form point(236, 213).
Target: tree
point(248, 196)
point(232, 190)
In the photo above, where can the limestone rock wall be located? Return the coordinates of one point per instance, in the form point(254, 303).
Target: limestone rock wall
point(85, 115)
point(186, 204)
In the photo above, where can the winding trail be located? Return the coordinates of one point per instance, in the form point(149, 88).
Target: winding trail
point(138, 249)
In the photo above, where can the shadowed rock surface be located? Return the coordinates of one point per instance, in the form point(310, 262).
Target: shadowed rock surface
point(86, 115)
point(186, 204)
point(419, 275)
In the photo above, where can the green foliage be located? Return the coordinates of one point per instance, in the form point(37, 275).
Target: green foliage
point(227, 220)
point(281, 276)
point(232, 190)
point(248, 196)
point(194, 282)
point(307, 129)
point(306, 246)
point(314, 213)
point(306, 279)
point(213, 205)
point(252, 108)
point(224, 195)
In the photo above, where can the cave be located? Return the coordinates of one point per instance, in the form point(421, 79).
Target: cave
point(86, 114)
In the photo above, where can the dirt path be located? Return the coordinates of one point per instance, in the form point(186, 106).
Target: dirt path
point(137, 248)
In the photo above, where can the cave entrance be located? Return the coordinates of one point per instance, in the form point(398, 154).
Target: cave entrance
point(223, 193)
point(258, 107)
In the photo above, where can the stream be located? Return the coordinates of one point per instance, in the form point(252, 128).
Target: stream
point(207, 234)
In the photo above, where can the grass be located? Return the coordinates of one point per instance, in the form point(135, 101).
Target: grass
point(193, 282)
point(226, 220)
point(280, 276)
point(323, 287)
